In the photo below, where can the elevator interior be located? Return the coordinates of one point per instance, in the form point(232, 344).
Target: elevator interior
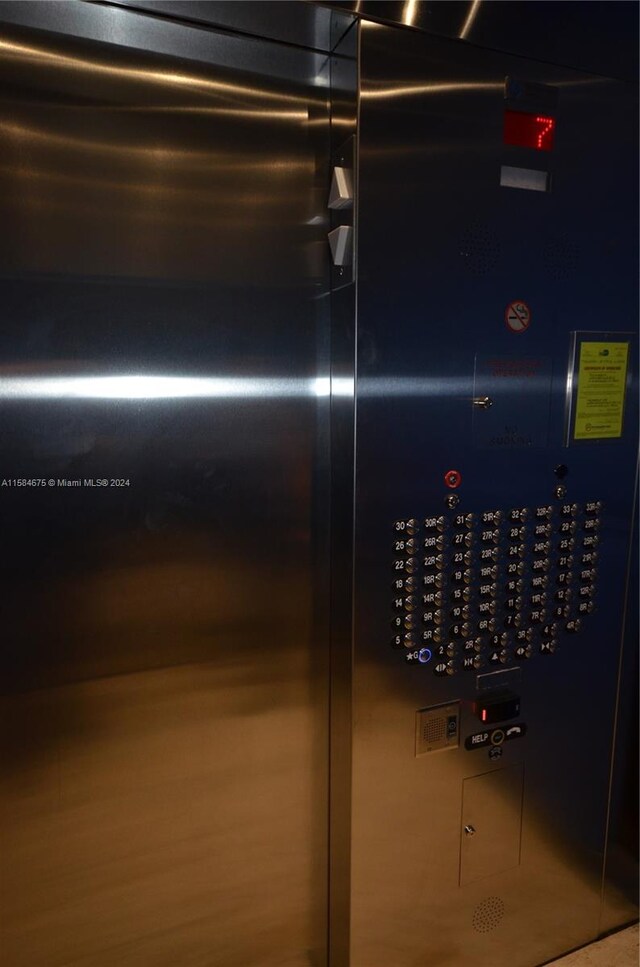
point(316, 576)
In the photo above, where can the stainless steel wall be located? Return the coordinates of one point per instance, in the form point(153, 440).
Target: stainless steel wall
point(491, 854)
point(165, 670)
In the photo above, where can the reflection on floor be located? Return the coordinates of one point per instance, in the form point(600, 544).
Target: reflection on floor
point(618, 950)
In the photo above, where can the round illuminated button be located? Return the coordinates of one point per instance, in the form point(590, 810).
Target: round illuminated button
point(424, 656)
point(453, 479)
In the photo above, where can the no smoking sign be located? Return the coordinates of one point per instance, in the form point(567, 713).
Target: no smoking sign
point(517, 316)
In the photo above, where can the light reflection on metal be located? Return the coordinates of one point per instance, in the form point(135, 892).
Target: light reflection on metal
point(409, 12)
point(168, 78)
point(471, 16)
point(178, 192)
point(445, 87)
point(226, 159)
point(143, 387)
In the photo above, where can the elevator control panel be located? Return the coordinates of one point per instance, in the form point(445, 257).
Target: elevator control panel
point(473, 590)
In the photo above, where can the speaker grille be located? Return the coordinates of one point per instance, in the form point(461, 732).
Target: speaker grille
point(488, 914)
point(560, 256)
point(433, 730)
point(479, 249)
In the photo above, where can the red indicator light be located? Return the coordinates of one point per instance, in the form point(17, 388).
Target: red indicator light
point(484, 715)
point(453, 479)
point(529, 130)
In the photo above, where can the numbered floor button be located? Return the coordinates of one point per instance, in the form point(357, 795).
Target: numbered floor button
point(487, 607)
point(406, 583)
point(433, 562)
point(564, 578)
point(568, 510)
point(586, 607)
point(566, 544)
point(573, 626)
point(567, 527)
point(515, 552)
point(593, 507)
point(590, 540)
point(517, 534)
point(472, 645)
point(490, 536)
point(407, 640)
point(542, 530)
point(433, 599)
point(407, 621)
point(488, 572)
point(541, 565)
point(409, 527)
point(409, 603)
point(486, 626)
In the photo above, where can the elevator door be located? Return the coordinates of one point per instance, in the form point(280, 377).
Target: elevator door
point(164, 688)
point(495, 451)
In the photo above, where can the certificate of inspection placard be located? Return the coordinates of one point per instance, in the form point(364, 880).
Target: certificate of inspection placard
point(597, 386)
point(602, 386)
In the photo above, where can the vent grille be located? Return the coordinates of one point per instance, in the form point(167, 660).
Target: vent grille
point(488, 914)
point(479, 249)
point(560, 256)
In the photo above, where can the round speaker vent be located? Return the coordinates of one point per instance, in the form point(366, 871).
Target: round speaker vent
point(479, 249)
point(488, 914)
point(560, 256)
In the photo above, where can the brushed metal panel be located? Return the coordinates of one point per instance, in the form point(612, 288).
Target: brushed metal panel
point(165, 670)
point(598, 37)
point(491, 823)
point(439, 262)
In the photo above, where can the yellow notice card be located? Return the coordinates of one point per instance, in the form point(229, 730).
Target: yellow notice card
point(602, 382)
